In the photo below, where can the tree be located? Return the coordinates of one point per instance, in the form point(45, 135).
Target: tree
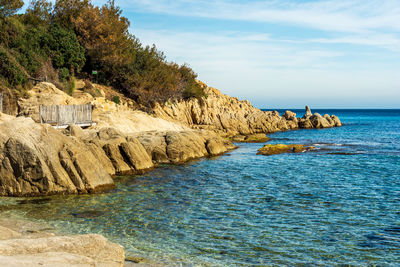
point(104, 34)
point(39, 11)
point(9, 7)
point(65, 12)
point(64, 49)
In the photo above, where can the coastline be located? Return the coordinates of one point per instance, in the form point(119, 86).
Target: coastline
point(128, 142)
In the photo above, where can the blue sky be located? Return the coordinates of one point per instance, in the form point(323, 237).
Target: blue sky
point(279, 53)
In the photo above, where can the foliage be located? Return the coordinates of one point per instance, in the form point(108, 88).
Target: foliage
point(10, 70)
point(116, 100)
point(38, 12)
point(73, 38)
point(9, 7)
point(64, 49)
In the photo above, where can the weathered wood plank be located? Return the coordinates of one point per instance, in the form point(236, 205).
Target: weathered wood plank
point(66, 115)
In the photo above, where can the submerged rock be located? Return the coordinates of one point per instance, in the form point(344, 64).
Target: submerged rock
point(253, 138)
point(281, 148)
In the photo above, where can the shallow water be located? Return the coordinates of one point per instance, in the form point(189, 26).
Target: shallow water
point(337, 205)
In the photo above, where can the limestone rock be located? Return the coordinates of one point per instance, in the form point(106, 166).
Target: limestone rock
point(184, 146)
point(75, 130)
point(329, 120)
point(289, 115)
point(215, 147)
point(179, 147)
point(137, 155)
point(6, 233)
point(36, 159)
point(229, 116)
point(336, 120)
point(82, 250)
point(281, 148)
point(305, 123)
point(155, 146)
point(319, 122)
point(113, 153)
point(308, 112)
point(101, 157)
point(252, 138)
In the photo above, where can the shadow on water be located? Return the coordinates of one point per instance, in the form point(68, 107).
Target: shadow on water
point(88, 214)
point(34, 201)
point(387, 238)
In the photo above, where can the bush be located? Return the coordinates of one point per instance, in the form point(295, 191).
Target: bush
point(70, 85)
point(10, 70)
point(63, 74)
point(116, 100)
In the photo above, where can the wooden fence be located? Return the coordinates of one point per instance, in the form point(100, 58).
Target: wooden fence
point(1, 102)
point(62, 116)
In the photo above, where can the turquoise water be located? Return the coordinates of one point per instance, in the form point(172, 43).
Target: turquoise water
point(337, 205)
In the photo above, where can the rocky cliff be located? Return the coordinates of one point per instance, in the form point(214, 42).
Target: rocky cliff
point(36, 159)
point(230, 116)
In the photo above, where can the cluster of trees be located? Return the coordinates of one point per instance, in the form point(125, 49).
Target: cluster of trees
point(73, 38)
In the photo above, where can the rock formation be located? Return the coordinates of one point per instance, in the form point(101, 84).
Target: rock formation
point(229, 116)
point(36, 159)
point(281, 148)
point(37, 248)
point(315, 120)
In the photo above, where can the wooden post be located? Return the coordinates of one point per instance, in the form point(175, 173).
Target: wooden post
point(40, 114)
point(74, 114)
point(1, 102)
point(58, 114)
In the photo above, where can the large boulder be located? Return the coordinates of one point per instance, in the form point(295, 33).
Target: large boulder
point(36, 159)
point(289, 115)
point(81, 250)
point(179, 147)
point(319, 122)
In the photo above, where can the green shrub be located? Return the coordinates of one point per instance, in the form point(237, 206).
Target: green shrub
point(116, 100)
point(70, 85)
point(64, 74)
point(10, 70)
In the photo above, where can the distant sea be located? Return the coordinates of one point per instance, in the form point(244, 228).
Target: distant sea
point(338, 205)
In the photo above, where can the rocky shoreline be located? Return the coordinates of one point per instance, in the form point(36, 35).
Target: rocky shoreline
point(24, 243)
point(38, 160)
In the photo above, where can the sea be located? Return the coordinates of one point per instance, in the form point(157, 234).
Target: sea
point(336, 205)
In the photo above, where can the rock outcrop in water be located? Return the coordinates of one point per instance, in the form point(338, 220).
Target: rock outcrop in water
point(315, 120)
point(229, 116)
point(269, 149)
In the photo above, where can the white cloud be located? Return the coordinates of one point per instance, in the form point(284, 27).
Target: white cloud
point(338, 15)
point(276, 73)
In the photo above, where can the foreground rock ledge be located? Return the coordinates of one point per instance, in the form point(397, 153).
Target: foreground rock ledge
point(18, 248)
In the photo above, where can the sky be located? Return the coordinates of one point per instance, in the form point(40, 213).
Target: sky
point(280, 53)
